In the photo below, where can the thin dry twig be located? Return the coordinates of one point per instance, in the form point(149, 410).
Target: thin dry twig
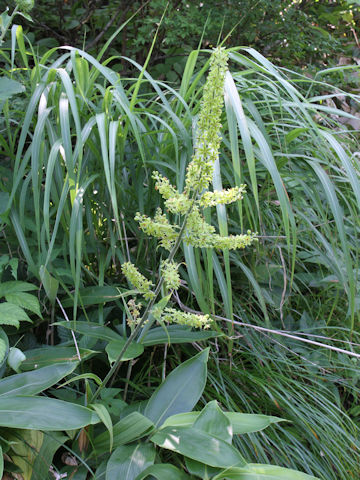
point(72, 331)
point(282, 333)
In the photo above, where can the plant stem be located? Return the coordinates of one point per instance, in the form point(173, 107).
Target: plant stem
point(147, 311)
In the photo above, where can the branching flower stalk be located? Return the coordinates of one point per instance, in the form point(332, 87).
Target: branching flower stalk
point(193, 229)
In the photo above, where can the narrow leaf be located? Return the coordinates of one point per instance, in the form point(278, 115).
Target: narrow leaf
point(36, 381)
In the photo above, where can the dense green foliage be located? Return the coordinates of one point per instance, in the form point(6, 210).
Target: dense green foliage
point(291, 32)
point(114, 388)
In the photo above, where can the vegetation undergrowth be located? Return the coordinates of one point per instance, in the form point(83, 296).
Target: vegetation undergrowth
point(80, 144)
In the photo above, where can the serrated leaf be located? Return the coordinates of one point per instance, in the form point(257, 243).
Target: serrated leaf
point(13, 264)
point(15, 286)
point(9, 87)
point(12, 314)
point(24, 300)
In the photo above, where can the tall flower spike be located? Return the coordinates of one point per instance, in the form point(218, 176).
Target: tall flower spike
point(200, 170)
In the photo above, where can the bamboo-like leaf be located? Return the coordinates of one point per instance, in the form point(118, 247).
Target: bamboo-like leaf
point(180, 391)
point(42, 413)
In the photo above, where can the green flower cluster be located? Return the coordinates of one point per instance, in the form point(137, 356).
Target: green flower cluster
point(194, 229)
point(134, 310)
point(200, 170)
point(170, 274)
point(171, 315)
point(158, 227)
point(195, 197)
point(142, 284)
point(224, 197)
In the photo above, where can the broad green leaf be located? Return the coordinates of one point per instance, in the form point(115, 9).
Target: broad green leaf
point(91, 330)
point(15, 358)
point(9, 87)
point(241, 422)
point(181, 390)
point(24, 300)
point(42, 413)
point(15, 286)
point(200, 469)
point(176, 334)
point(114, 348)
point(12, 314)
point(51, 285)
point(127, 430)
point(162, 471)
point(98, 295)
point(213, 421)
point(198, 445)
point(36, 381)
point(106, 419)
point(254, 471)
point(43, 356)
point(127, 462)
point(26, 445)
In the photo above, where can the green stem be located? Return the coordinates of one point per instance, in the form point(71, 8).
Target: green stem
point(147, 311)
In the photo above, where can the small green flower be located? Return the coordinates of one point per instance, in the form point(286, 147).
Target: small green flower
point(200, 170)
point(138, 280)
point(197, 231)
point(134, 309)
point(171, 315)
point(224, 197)
point(170, 274)
point(159, 227)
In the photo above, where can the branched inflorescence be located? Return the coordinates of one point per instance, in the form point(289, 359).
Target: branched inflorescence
point(195, 197)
